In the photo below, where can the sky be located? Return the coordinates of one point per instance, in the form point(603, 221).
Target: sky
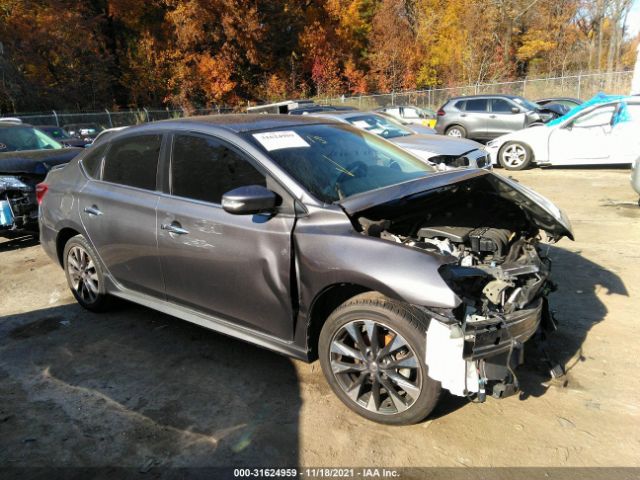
point(633, 20)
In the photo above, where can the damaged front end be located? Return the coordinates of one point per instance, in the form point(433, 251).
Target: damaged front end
point(17, 200)
point(490, 231)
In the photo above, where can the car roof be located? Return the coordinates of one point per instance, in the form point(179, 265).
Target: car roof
point(488, 95)
point(239, 123)
point(14, 125)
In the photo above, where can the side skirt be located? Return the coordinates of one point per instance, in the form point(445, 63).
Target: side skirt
point(212, 323)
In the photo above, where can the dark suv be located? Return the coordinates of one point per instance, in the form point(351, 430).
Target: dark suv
point(314, 239)
point(485, 117)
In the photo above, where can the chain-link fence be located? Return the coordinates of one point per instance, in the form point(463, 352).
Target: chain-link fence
point(107, 118)
point(578, 86)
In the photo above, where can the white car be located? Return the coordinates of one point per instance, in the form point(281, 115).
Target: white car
point(600, 134)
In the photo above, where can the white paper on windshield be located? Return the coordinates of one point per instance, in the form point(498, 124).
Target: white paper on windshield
point(278, 140)
point(362, 124)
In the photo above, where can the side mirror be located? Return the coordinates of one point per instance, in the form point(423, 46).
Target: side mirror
point(249, 200)
point(515, 110)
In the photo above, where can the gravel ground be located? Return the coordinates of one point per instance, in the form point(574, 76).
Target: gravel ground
point(140, 389)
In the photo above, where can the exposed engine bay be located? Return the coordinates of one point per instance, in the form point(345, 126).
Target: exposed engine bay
point(498, 270)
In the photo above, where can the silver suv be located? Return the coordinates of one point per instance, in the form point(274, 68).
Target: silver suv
point(485, 117)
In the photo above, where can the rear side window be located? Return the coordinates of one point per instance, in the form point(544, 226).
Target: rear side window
point(204, 168)
point(133, 161)
point(499, 105)
point(477, 105)
point(93, 160)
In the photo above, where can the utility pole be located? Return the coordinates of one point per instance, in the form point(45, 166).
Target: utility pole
point(635, 83)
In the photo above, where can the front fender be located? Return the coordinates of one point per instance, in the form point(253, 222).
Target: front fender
point(336, 254)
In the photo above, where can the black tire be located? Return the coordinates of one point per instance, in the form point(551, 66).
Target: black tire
point(456, 128)
point(95, 300)
point(508, 153)
point(392, 318)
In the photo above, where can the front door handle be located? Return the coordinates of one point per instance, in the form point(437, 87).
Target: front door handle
point(174, 228)
point(92, 210)
point(492, 116)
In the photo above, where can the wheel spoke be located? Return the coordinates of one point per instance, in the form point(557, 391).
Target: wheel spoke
point(372, 333)
point(356, 334)
point(397, 400)
point(356, 388)
point(342, 367)
point(396, 343)
point(409, 361)
point(374, 398)
point(342, 349)
point(412, 390)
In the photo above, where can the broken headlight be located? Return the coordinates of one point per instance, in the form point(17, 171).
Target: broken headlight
point(466, 282)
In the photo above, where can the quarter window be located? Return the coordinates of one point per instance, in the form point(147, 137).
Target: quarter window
point(133, 161)
point(477, 105)
point(204, 168)
point(92, 161)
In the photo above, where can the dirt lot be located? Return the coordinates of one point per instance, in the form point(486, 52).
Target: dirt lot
point(141, 389)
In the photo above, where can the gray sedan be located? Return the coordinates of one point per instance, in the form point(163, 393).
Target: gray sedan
point(440, 150)
point(315, 240)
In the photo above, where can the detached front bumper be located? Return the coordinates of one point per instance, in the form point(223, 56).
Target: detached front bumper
point(480, 356)
point(484, 339)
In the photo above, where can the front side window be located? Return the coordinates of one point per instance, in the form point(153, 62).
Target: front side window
point(499, 105)
point(477, 105)
point(17, 139)
point(204, 168)
point(596, 118)
point(133, 161)
point(333, 162)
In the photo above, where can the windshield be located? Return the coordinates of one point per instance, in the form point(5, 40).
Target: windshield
point(333, 162)
point(25, 138)
point(526, 103)
point(56, 133)
point(379, 125)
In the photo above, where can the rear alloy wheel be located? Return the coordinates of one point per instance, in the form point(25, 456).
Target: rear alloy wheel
point(372, 352)
point(515, 156)
point(456, 131)
point(84, 274)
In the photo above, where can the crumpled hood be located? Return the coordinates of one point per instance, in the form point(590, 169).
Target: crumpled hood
point(436, 144)
point(35, 161)
point(541, 211)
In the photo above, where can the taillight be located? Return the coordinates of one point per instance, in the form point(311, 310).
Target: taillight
point(41, 190)
point(441, 112)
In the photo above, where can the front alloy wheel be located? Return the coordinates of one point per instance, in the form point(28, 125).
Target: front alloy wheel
point(372, 352)
point(376, 367)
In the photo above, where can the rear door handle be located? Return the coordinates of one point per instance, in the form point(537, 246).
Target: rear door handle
point(174, 228)
point(492, 116)
point(93, 210)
